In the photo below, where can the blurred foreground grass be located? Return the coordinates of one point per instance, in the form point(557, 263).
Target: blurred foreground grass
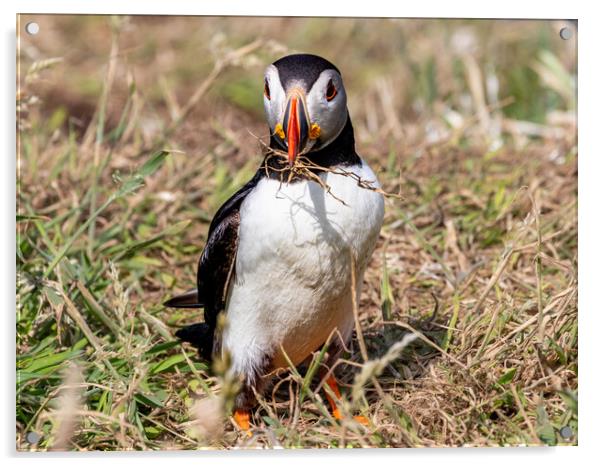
point(472, 122)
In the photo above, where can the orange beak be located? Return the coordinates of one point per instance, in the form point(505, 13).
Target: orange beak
point(293, 134)
point(296, 126)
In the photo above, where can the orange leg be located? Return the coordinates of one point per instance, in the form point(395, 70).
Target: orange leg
point(332, 384)
point(336, 413)
point(242, 418)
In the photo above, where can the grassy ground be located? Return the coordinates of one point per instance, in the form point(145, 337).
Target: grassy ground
point(471, 122)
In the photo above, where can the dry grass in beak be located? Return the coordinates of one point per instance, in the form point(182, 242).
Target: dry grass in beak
point(303, 167)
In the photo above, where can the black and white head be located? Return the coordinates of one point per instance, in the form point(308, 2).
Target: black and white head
point(305, 103)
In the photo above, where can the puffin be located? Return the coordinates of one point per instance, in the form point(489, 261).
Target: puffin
point(285, 254)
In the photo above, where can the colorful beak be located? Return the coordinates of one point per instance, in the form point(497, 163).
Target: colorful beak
point(296, 125)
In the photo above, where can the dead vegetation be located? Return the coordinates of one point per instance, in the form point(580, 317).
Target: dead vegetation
point(468, 314)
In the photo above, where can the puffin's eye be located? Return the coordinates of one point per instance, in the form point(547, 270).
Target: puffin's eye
point(331, 91)
point(266, 89)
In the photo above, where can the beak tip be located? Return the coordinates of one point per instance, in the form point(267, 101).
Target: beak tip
point(291, 159)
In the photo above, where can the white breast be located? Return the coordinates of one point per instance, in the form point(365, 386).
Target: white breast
point(293, 266)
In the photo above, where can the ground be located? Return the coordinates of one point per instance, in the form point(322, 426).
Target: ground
point(131, 139)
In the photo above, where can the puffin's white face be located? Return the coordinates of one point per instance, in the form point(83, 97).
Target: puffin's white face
point(300, 120)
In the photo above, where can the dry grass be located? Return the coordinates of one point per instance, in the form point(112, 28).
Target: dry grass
point(468, 313)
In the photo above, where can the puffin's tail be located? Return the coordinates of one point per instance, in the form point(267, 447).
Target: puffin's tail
point(188, 300)
point(200, 336)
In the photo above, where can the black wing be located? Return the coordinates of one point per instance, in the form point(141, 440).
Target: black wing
point(215, 270)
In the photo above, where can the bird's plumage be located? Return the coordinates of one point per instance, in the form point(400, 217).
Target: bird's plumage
point(281, 251)
point(215, 270)
point(188, 300)
point(302, 69)
point(293, 269)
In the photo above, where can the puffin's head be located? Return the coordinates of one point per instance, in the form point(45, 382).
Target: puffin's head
point(305, 103)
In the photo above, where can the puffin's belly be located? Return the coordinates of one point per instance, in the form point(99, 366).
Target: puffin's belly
point(293, 267)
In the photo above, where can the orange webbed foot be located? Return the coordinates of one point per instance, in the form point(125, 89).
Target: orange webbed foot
point(361, 420)
point(336, 413)
point(242, 417)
